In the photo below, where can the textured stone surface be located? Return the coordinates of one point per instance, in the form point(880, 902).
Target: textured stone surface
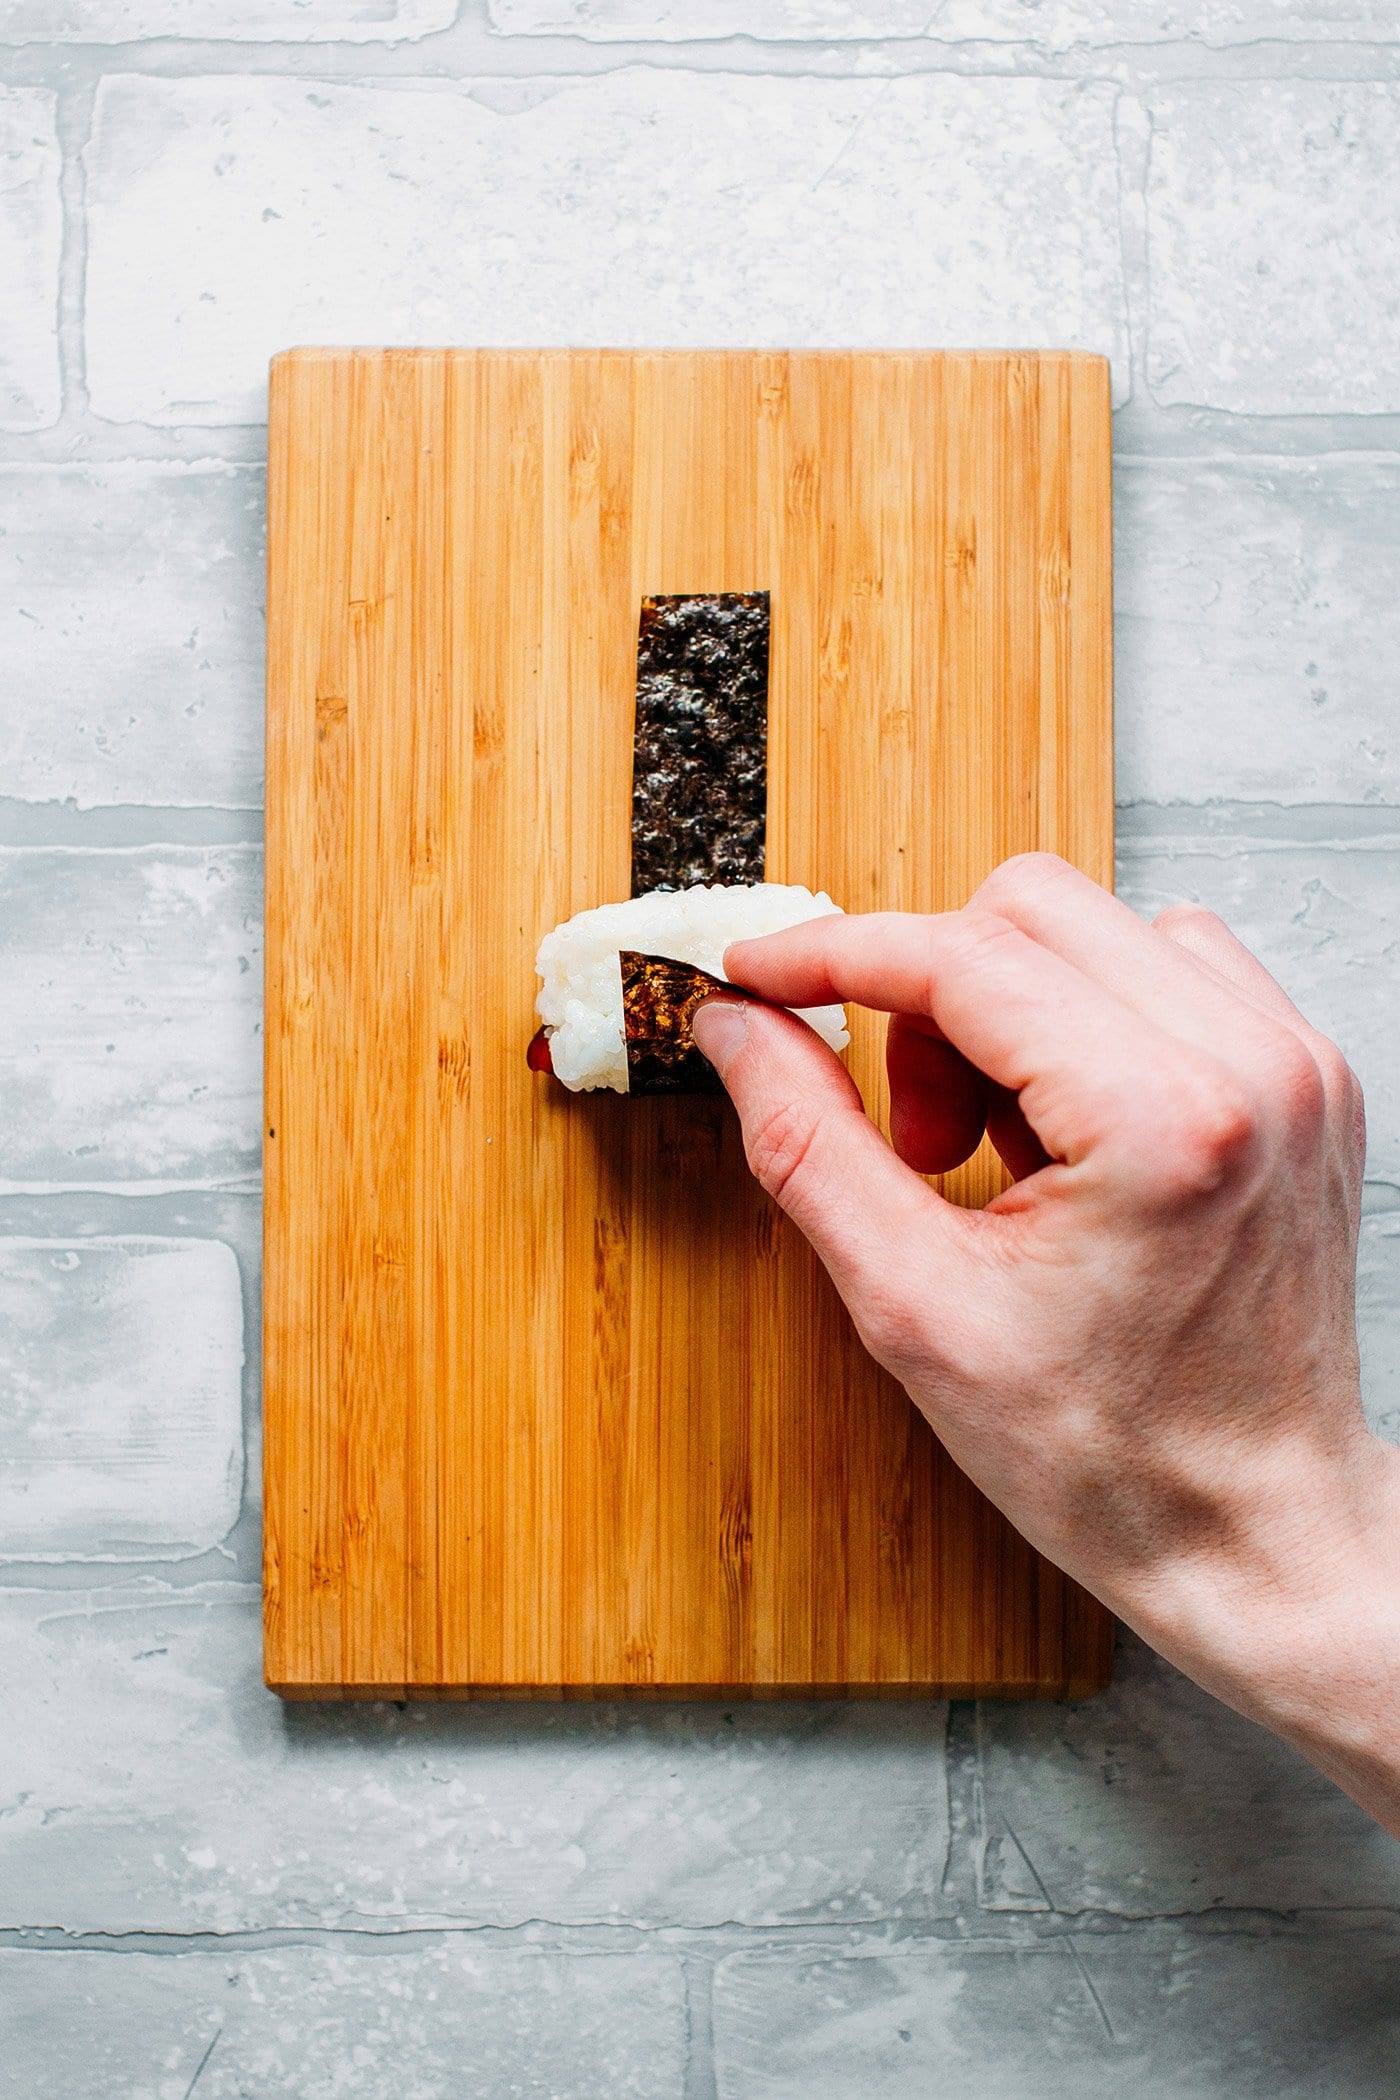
point(121, 1418)
point(130, 1036)
point(282, 21)
point(1258, 629)
point(131, 634)
point(1154, 1799)
point(599, 210)
point(1274, 239)
point(1322, 918)
point(1055, 24)
point(30, 234)
point(417, 2024)
point(1163, 2017)
point(882, 1918)
point(157, 1786)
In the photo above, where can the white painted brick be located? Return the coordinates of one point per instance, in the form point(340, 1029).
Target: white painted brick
point(1052, 24)
point(1274, 237)
point(121, 1428)
point(418, 2023)
point(1159, 2015)
point(130, 1033)
point(192, 1800)
point(230, 218)
point(1378, 1320)
point(1258, 629)
point(131, 634)
point(31, 233)
point(279, 21)
point(1154, 1798)
point(1323, 919)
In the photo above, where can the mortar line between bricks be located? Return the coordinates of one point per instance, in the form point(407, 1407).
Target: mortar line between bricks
point(1146, 430)
point(561, 80)
point(1227, 806)
point(131, 1191)
point(717, 63)
point(192, 464)
point(1127, 452)
point(126, 827)
point(54, 827)
point(74, 126)
point(1138, 271)
point(960, 1771)
point(1153, 53)
point(490, 53)
point(872, 1938)
point(1130, 190)
point(1346, 826)
point(698, 1975)
point(1125, 456)
point(1151, 435)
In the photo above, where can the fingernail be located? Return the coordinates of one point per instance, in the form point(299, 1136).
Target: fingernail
point(719, 1027)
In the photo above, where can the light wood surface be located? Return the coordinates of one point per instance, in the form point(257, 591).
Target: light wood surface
point(556, 1402)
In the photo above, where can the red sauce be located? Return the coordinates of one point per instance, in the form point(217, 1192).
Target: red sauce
point(537, 1057)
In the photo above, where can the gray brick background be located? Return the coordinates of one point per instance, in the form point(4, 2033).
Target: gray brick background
point(202, 1892)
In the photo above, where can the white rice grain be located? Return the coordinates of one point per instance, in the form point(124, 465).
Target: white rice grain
point(580, 1001)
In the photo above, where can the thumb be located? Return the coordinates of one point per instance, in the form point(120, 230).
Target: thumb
point(811, 1145)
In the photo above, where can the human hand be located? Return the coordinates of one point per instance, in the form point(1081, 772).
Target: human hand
point(1144, 1351)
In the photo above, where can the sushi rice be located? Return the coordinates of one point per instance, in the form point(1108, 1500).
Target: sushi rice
point(580, 1002)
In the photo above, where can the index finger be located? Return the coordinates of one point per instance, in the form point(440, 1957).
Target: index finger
point(1091, 1073)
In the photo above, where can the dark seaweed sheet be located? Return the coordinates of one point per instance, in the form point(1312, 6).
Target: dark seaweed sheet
point(700, 748)
point(659, 998)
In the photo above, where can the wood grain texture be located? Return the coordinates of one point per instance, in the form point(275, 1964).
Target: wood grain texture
point(556, 1401)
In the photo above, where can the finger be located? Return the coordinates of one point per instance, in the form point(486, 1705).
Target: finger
point(1078, 1057)
point(1256, 1029)
point(1207, 939)
point(810, 1143)
point(938, 1101)
point(1212, 946)
point(1020, 1150)
point(1062, 908)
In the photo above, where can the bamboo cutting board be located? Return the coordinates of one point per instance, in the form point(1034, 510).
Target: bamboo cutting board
point(556, 1402)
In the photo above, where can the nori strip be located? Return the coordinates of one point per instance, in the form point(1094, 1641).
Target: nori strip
point(700, 747)
point(699, 808)
point(659, 998)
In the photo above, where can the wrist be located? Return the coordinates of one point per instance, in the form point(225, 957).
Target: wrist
point(1292, 1616)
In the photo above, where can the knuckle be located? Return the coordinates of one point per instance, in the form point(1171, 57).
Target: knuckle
point(974, 933)
point(891, 1326)
point(982, 928)
point(1022, 877)
point(1338, 1079)
point(1212, 1141)
point(778, 1146)
point(1299, 1087)
point(1188, 918)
